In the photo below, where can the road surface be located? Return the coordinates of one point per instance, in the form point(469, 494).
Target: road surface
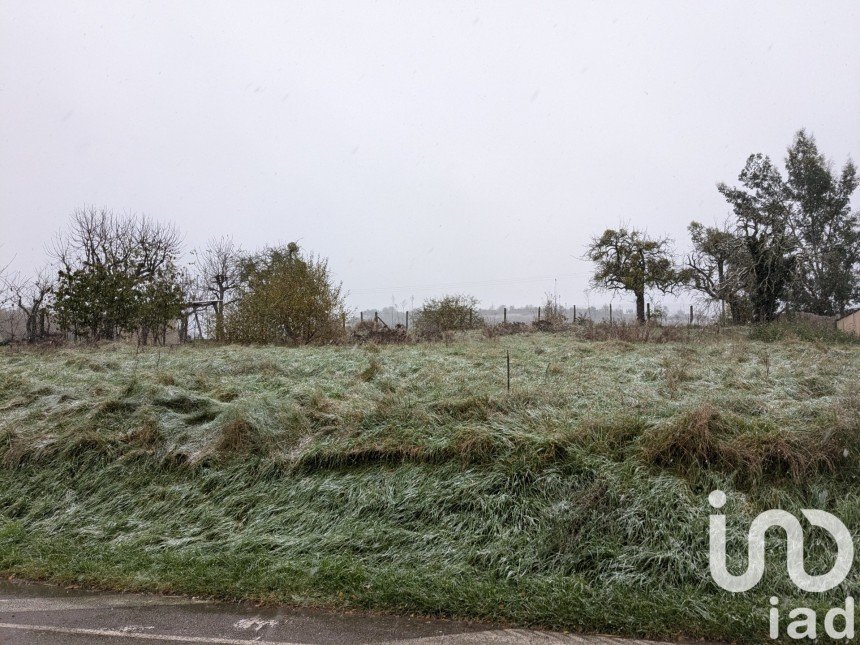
point(32, 614)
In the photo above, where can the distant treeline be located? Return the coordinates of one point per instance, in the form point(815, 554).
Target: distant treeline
point(793, 243)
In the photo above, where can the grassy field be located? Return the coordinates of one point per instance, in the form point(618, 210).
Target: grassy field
point(408, 478)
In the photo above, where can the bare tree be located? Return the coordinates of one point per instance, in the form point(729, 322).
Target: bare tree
point(4, 290)
point(5, 300)
point(32, 299)
point(135, 244)
point(219, 269)
point(117, 273)
point(719, 267)
point(156, 246)
point(4, 268)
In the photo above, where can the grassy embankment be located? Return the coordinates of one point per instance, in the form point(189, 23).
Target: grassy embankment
point(405, 477)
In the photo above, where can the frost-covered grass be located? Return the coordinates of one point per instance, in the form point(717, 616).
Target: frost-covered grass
point(406, 477)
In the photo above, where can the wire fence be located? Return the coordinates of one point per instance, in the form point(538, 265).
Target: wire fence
point(609, 313)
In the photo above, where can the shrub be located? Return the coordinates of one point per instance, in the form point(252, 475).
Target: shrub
point(552, 316)
point(451, 313)
point(286, 298)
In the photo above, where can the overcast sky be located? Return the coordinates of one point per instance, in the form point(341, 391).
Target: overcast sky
point(423, 147)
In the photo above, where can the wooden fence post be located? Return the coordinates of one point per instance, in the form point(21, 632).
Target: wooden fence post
point(691, 314)
point(610, 314)
point(648, 311)
point(504, 315)
point(407, 321)
point(509, 371)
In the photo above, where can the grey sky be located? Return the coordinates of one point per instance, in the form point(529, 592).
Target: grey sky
point(423, 147)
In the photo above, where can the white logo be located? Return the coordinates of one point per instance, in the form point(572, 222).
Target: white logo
point(805, 625)
point(794, 532)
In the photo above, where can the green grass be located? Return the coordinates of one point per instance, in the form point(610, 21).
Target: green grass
point(407, 478)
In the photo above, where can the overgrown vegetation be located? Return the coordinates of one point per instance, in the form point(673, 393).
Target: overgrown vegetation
point(449, 313)
point(405, 477)
point(285, 297)
point(116, 275)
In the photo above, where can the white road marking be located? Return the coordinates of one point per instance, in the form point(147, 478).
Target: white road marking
point(170, 638)
point(254, 623)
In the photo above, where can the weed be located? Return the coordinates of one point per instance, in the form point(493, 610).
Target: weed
point(675, 372)
point(373, 369)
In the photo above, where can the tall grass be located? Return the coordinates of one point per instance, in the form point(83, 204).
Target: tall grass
point(406, 477)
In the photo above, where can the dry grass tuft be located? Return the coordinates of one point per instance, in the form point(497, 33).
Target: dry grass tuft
point(147, 434)
point(238, 437)
point(373, 369)
point(705, 437)
point(473, 408)
point(675, 373)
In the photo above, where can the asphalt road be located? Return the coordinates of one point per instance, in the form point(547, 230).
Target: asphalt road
point(33, 614)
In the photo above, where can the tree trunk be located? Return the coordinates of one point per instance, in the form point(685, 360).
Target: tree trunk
point(31, 328)
point(640, 307)
point(183, 328)
point(735, 311)
point(219, 322)
point(219, 313)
